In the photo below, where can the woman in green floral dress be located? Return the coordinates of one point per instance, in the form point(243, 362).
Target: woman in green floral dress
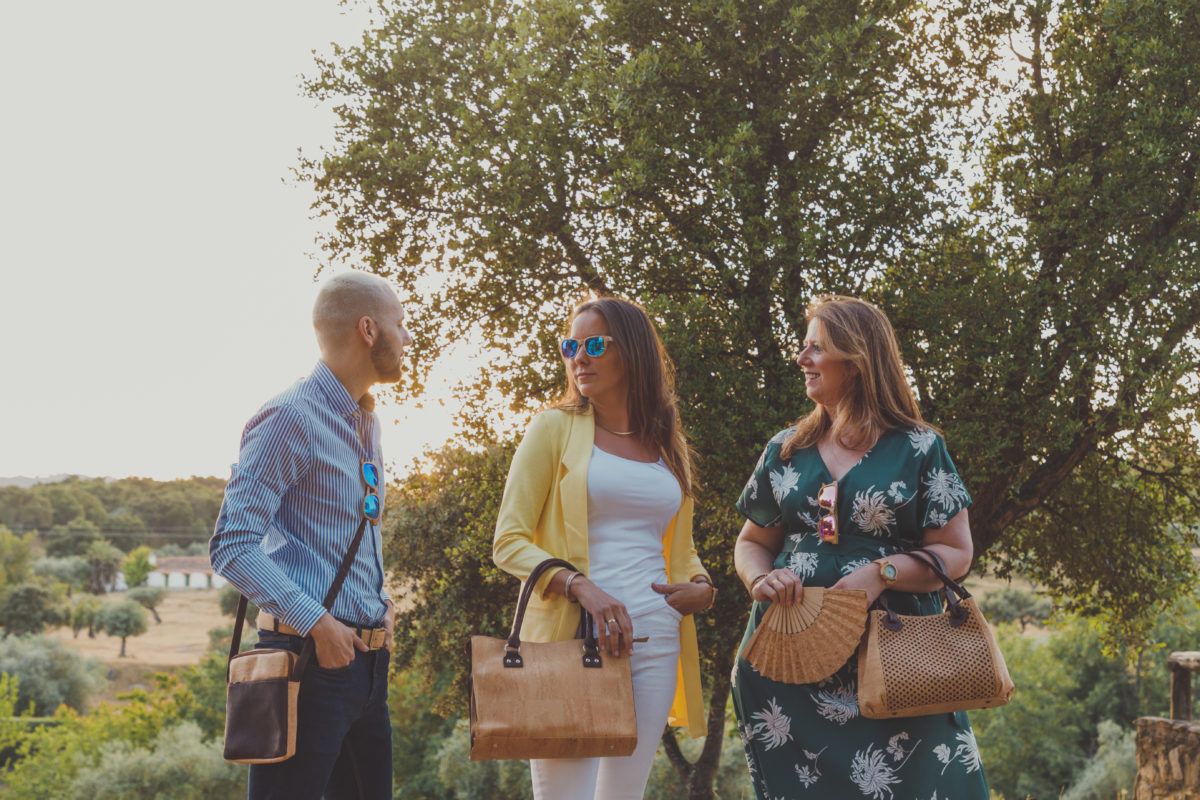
point(897, 489)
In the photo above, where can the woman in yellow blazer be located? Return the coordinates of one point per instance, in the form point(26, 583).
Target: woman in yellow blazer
point(603, 480)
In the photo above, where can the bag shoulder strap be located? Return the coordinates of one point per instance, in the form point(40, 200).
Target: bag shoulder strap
point(330, 596)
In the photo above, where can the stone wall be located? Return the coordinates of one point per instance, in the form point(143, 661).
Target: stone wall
point(1168, 759)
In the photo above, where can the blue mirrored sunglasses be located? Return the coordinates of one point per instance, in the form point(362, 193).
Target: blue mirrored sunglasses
point(372, 508)
point(594, 346)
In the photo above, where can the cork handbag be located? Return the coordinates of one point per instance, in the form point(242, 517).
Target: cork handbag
point(910, 666)
point(549, 699)
point(263, 692)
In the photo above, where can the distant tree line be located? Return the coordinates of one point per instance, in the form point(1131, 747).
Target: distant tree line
point(128, 512)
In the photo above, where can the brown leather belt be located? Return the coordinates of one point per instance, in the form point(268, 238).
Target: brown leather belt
point(374, 638)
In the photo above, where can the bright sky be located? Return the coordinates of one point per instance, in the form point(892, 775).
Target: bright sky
point(156, 257)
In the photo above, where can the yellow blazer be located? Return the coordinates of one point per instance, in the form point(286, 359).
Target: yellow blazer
point(544, 515)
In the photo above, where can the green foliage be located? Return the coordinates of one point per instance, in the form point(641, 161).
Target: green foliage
point(228, 599)
point(178, 765)
point(70, 571)
point(103, 562)
point(73, 538)
point(12, 726)
point(85, 613)
point(123, 618)
point(50, 675)
point(438, 543)
point(30, 608)
point(722, 162)
point(148, 597)
point(1009, 604)
point(464, 779)
point(137, 567)
point(128, 512)
point(1112, 770)
point(193, 549)
point(50, 757)
point(15, 556)
point(417, 736)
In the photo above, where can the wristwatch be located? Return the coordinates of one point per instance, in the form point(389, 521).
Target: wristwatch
point(887, 571)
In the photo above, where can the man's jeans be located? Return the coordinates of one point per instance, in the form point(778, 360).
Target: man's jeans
point(344, 744)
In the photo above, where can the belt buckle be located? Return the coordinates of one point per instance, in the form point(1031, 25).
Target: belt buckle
point(378, 637)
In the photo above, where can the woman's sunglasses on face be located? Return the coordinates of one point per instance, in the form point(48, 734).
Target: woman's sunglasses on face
point(371, 507)
point(594, 346)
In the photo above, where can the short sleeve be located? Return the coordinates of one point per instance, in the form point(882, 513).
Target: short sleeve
point(758, 503)
point(942, 493)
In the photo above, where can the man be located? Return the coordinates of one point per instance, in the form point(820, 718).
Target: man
point(292, 506)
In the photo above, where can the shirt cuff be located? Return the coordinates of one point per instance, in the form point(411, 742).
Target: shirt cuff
point(303, 613)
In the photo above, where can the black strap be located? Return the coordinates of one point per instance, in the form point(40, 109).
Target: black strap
point(334, 589)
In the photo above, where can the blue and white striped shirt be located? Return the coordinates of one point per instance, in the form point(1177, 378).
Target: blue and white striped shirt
point(294, 501)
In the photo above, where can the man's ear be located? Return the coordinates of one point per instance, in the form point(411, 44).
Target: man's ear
point(366, 330)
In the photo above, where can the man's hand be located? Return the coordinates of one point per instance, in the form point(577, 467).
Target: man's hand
point(389, 624)
point(335, 643)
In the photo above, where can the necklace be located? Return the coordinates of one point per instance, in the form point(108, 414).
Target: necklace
point(615, 433)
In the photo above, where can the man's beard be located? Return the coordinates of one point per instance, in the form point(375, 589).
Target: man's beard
point(386, 361)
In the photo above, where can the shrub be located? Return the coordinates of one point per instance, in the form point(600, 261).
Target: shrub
point(50, 675)
point(71, 571)
point(1112, 770)
point(85, 613)
point(124, 618)
point(465, 779)
point(228, 598)
point(30, 608)
point(103, 561)
point(149, 598)
point(178, 765)
point(137, 567)
point(72, 539)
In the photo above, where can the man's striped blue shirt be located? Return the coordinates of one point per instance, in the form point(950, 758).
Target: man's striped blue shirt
point(294, 501)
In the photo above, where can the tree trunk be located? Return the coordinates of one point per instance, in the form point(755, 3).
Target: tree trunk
point(699, 776)
point(157, 618)
point(122, 647)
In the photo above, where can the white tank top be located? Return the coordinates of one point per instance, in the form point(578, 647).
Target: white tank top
point(629, 506)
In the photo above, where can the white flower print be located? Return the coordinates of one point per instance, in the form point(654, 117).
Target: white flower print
point(812, 501)
point(752, 487)
point(871, 773)
point(945, 488)
point(857, 563)
point(775, 729)
point(803, 564)
point(871, 512)
point(936, 519)
point(921, 439)
point(967, 752)
point(836, 703)
point(784, 482)
point(809, 774)
point(895, 747)
point(797, 538)
point(782, 436)
point(808, 519)
point(896, 492)
point(747, 733)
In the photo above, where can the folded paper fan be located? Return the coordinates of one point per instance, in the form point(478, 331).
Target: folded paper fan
point(811, 640)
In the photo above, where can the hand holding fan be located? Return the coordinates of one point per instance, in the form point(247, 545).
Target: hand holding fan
point(811, 640)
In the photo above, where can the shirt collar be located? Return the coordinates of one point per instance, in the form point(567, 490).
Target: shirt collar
point(339, 399)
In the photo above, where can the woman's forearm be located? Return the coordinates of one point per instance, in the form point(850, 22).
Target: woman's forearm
point(751, 559)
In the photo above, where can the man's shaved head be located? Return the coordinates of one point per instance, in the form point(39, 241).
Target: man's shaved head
point(344, 300)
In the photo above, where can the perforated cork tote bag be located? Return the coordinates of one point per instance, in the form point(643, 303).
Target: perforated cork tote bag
point(549, 699)
point(910, 666)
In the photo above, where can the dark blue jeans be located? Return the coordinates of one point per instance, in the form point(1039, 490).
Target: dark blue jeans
point(344, 742)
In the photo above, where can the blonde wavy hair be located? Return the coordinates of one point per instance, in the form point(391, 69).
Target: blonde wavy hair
point(878, 397)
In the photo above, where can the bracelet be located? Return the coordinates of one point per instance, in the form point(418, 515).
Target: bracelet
point(712, 590)
point(567, 588)
point(754, 582)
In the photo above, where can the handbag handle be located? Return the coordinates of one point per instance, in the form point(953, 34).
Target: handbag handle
point(512, 648)
point(952, 590)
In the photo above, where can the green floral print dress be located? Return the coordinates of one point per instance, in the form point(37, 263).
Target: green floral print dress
point(810, 741)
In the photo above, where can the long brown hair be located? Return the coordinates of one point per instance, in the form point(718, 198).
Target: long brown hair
point(878, 397)
point(652, 404)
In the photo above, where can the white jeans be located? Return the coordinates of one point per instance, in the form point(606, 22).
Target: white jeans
point(654, 666)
